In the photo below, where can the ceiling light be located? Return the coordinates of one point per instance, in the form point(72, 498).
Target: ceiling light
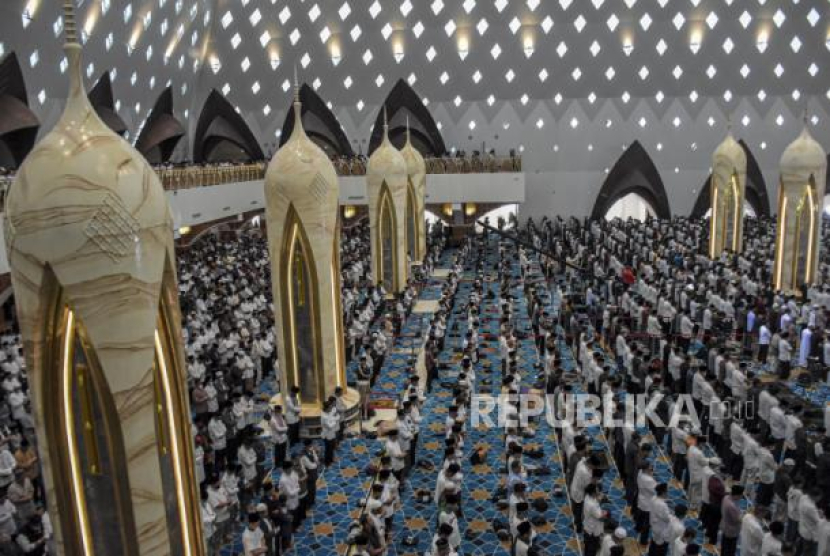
point(463, 46)
point(695, 40)
point(397, 51)
point(628, 46)
point(528, 46)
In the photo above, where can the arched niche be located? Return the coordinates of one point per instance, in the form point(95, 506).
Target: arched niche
point(162, 131)
point(632, 205)
point(634, 172)
point(320, 125)
point(18, 124)
point(403, 102)
point(222, 134)
point(101, 99)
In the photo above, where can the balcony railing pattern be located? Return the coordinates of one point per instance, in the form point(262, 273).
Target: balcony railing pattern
point(189, 176)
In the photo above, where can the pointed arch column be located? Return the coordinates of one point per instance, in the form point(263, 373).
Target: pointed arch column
point(386, 178)
point(800, 195)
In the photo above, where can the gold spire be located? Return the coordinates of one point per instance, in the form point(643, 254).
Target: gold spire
point(70, 27)
point(407, 129)
point(298, 106)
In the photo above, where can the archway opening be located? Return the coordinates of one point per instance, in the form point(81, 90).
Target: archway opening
point(749, 211)
point(505, 214)
point(632, 205)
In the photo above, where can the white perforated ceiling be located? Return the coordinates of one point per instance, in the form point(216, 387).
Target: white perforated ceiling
point(661, 69)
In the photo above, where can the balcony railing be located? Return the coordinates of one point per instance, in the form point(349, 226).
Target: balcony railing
point(186, 177)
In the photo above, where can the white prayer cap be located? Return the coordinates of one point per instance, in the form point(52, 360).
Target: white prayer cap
point(789, 462)
point(620, 533)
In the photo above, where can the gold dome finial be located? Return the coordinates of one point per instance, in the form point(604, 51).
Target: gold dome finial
point(298, 106)
point(407, 129)
point(70, 27)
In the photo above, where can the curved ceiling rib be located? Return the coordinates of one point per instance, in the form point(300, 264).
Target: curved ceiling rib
point(704, 199)
point(634, 172)
point(756, 189)
point(161, 132)
point(320, 124)
point(222, 133)
point(403, 101)
point(101, 99)
point(18, 124)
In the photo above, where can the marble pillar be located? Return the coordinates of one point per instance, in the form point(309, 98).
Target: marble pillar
point(416, 172)
point(727, 193)
point(90, 243)
point(302, 210)
point(386, 179)
point(800, 201)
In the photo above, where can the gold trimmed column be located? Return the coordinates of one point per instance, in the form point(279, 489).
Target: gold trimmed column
point(416, 171)
point(386, 179)
point(800, 200)
point(302, 207)
point(90, 242)
point(727, 192)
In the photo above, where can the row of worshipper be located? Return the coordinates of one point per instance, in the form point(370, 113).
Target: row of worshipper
point(681, 354)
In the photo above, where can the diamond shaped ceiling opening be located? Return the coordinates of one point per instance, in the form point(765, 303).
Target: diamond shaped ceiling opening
point(357, 48)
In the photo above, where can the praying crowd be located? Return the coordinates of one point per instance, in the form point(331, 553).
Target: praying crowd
point(647, 312)
point(616, 309)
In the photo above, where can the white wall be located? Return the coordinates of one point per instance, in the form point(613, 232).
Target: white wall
point(205, 204)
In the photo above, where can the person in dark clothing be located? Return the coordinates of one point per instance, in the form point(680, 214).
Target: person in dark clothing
point(632, 459)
